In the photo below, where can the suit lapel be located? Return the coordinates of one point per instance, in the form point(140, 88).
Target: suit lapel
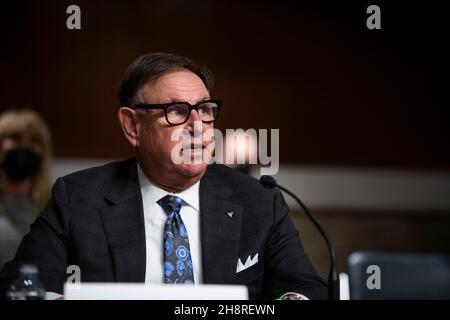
point(123, 222)
point(220, 233)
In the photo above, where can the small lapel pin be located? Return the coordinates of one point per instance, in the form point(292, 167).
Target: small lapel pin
point(230, 214)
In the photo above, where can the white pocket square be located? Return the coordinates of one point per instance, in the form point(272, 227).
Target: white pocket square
point(248, 263)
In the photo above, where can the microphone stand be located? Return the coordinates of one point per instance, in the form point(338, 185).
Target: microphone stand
point(333, 287)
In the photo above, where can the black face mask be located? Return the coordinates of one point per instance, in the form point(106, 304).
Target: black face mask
point(21, 164)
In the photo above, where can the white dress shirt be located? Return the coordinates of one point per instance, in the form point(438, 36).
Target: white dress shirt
point(155, 218)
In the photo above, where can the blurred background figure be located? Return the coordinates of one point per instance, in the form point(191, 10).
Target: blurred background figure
point(25, 157)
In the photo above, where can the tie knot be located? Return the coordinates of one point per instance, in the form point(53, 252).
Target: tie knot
point(171, 204)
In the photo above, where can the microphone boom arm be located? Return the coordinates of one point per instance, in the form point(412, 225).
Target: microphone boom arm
point(333, 288)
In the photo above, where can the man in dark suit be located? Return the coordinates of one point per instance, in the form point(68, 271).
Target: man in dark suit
point(155, 220)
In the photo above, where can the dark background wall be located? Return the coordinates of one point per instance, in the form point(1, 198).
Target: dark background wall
point(373, 230)
point(339, 93)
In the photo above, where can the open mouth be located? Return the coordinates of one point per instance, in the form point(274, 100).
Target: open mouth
point(195, 153)
point(193, 147)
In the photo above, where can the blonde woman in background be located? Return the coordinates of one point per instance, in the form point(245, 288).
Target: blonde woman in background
point(25, 157)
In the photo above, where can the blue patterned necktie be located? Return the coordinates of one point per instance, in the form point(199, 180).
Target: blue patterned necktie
point(177, 254)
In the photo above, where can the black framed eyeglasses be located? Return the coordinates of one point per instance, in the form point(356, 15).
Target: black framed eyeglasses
point(178, 112)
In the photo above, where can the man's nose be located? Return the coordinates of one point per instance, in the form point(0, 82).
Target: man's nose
point(194, 115)
point(193, 118)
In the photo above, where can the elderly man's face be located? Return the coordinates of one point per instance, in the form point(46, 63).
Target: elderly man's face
point(154, 147)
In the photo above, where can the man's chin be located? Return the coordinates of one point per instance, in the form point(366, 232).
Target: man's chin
point(192, 169)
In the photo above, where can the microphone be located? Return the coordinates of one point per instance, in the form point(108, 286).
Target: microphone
point(333, 288)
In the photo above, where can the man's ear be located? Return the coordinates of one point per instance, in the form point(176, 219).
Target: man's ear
point(128, 122)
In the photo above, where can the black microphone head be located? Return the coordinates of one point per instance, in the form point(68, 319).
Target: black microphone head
point(268, 181)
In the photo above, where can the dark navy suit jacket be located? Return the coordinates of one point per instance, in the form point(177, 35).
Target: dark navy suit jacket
point(95, 220)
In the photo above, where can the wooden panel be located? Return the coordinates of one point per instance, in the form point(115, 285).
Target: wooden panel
point(339, 94)
point(418, 232)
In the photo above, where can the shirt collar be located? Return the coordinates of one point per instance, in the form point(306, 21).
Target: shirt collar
point(154, 193)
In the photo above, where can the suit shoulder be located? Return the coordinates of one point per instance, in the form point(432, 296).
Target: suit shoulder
point(238, 180)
